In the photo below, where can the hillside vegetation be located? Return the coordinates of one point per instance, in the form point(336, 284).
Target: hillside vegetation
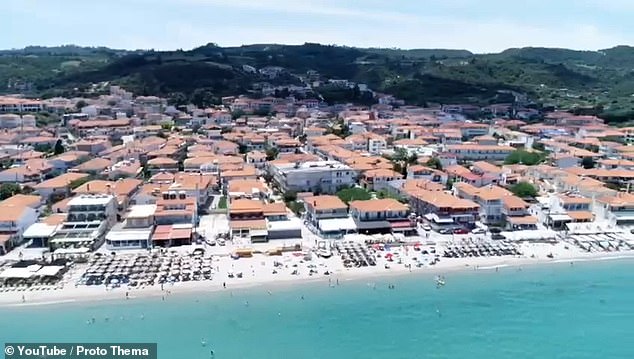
point(600, 80)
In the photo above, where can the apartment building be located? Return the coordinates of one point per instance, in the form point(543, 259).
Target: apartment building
point(470, 152)
point(565, 209)
point(10, 104)
point(259, 222)
point(329, 216)
point(618, 209)
point(381, 216)
point(175, 207)
point(379, 179)
point(426, 173)
point(313, 176)
point(89, 218)
point(489, 199)
point(443, 209)
point(11, 120)
point(135, 231)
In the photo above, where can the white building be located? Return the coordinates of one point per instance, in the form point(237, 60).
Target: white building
point(14, 121)
point(14, 220)
point(135, 231)
point(89, 217)
point(376, 145)
point(17, 105)
point(480, 152)
point(314, 176)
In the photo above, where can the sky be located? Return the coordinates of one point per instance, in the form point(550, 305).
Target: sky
point(480, 26)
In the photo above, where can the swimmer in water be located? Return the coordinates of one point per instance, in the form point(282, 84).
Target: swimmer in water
point(302, 297)
point(246, 303)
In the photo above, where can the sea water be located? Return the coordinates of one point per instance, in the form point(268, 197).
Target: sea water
point(552, 311)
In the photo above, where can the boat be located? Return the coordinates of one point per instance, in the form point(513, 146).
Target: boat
point(439, 282)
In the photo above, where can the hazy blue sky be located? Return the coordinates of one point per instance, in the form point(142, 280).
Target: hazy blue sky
point(476, 25)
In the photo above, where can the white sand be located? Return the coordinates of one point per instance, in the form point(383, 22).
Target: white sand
point(258, 271)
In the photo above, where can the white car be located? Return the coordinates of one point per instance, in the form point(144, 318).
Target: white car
point(478, 231)
point(426, 227)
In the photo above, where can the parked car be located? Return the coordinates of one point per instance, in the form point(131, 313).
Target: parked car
point(495, 230)
point(460, 231)
point(445, 231)
point(426, 227)
point(498, 237)
point(478, 231)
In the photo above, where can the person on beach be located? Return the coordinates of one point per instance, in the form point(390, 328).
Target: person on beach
point(337, 281)
point(23, 299)
point(127, 295)
point(224, 285)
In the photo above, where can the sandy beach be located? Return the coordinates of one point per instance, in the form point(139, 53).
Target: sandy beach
point(259, 271)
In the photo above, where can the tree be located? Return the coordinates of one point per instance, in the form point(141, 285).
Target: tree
point(587, 162)
point(524, 157)
point(167, 126)
point(400, 154)
point(271, 153)
point(45, 148)
point(538, 146)
point(80, 104)
point(398, 167)
point(9, 189)
point(242, 149)
point(449, 184)
point(434, 163)
point(354, 194)
point(524, 189)
point(177, 99)
point(59, 147)
point(78, 182)
point(290, 196)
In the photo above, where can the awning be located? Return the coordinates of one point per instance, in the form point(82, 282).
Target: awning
point(401, 225)
point(434, 218)
point(372, 224)
point(17, 273)
point(258, 233)
point(560, 217)
point(624, 218)
point(49, 271)
point(522, 220)
point(337, 224)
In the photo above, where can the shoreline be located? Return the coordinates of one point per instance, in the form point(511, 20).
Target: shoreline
point(91, 295)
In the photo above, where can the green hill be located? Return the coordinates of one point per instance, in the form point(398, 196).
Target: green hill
point(565, 78)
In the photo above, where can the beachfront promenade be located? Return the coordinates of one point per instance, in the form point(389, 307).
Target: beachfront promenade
point(208, 269)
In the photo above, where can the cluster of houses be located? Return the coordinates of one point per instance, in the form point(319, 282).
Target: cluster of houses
point(137, 173)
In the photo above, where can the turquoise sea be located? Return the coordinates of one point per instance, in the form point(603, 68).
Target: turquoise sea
point(552, 311)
